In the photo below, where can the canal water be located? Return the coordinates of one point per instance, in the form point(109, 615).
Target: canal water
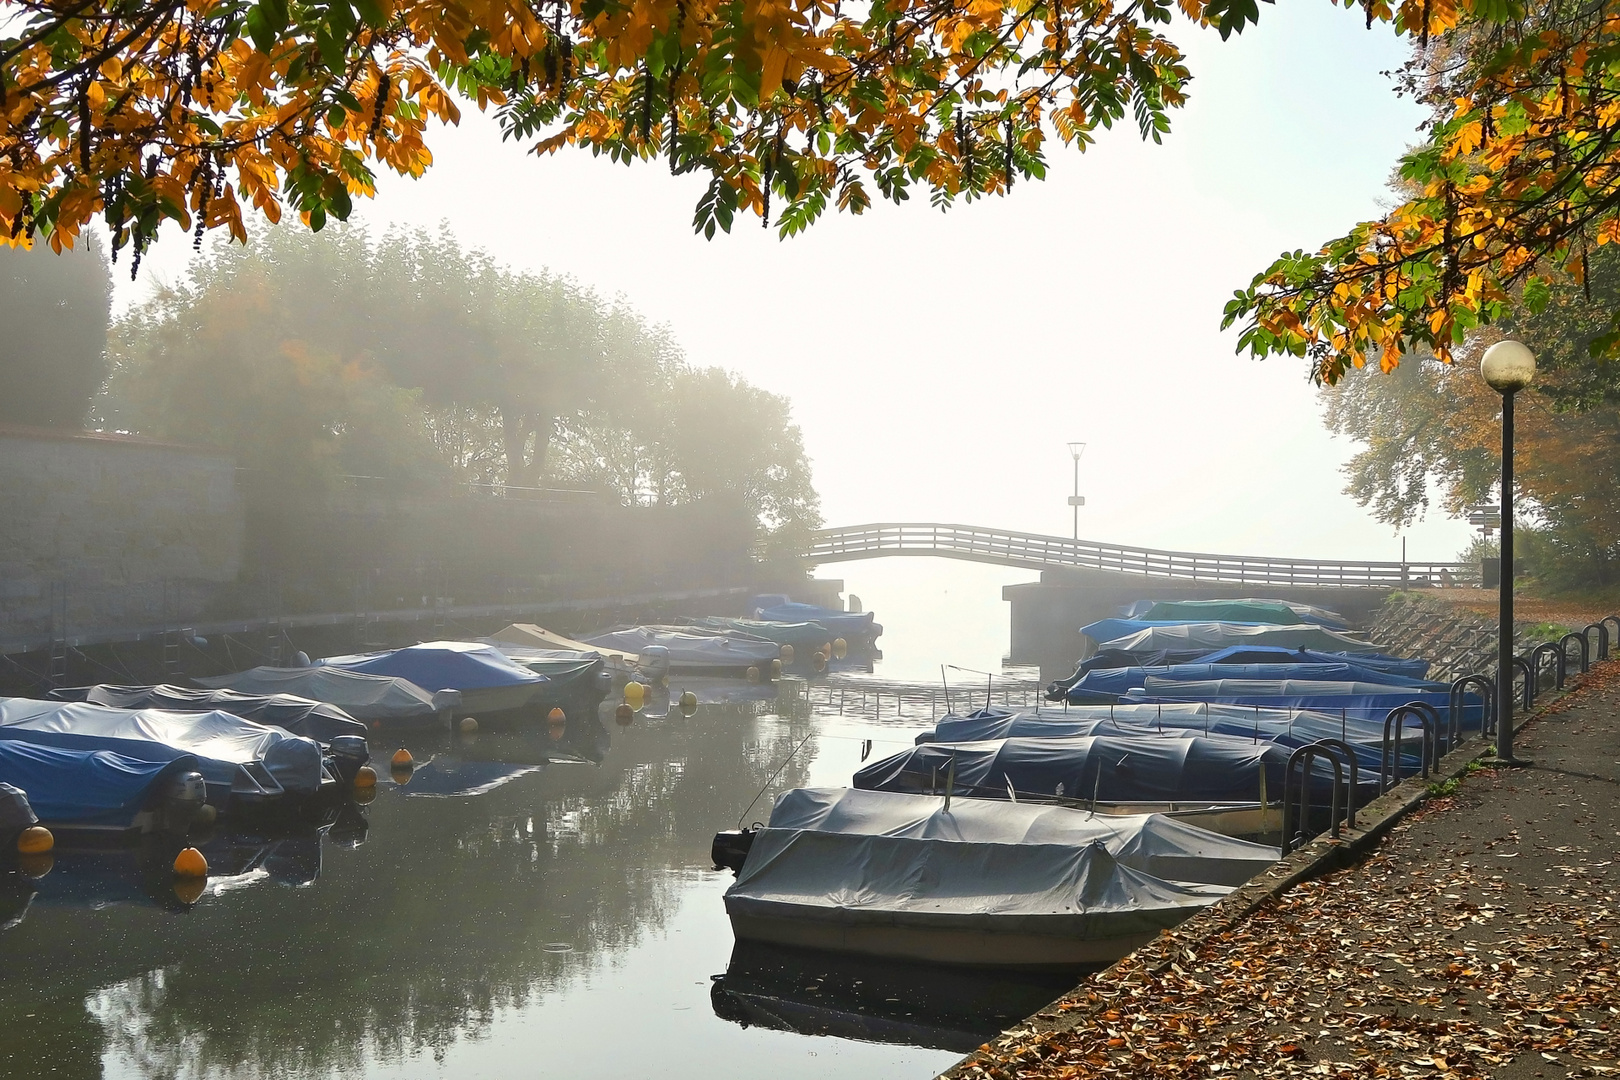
point(517, 907)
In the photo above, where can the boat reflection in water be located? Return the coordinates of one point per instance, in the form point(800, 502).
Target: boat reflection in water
point(887, 1001)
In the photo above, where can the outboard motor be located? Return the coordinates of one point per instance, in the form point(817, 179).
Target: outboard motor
point(730, 848)
point(182, 798)
point(15, 816)
point(653, 664)
point(348, 752)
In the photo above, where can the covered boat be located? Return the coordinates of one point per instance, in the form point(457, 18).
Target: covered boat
point(1187, 641)
point(244, 763)
point(575, 681)
point(488, 681)
point(1172, 768)
point(853, 626)
point(1109, 684)
point(690, 650)
point(99, 791)
point(312, 719)
point(370, 699)
point(1292, 728)
point(1152, 843)
point(984, 904)
point(1372, 701)
point(1247, 610)
point(1410, 667)
point(801, 635)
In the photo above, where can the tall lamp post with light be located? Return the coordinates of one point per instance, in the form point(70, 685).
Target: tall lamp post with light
point(1507, 367)
point(1075, 500)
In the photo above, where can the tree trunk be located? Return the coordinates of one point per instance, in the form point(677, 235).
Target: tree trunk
point(523, 466)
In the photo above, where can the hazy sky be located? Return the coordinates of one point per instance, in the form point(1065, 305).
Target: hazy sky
point(939, 363)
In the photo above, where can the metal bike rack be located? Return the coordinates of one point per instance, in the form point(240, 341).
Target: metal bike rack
point(1586, 649)
point(1389, 764)
point(1487, 690)
point(1305, 756)
point(1522, 666)
point(1349, 753)
point(1604, 622)
point(1603, 638)
point(1548, 648)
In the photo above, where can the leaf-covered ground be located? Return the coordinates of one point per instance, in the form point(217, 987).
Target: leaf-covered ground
point(1479, 940)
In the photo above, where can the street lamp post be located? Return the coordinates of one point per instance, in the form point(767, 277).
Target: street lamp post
point(1075, 450)
point(1507, 367)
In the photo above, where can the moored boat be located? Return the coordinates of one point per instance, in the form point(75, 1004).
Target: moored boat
point(98, 793)
point(312, 719)
point(690, 650)
point(374, 700)
point(487, 680)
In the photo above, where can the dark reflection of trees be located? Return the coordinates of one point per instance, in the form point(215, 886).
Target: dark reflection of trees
point(405, 943)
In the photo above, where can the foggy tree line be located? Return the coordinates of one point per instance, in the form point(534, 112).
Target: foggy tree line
point(404, 360)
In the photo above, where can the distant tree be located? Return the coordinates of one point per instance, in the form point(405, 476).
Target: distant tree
point(53, 333)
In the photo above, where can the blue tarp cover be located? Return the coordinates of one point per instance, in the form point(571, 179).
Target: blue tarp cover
point(1269, 654)
point(845, 624)
point(1205, 611)
point(1207, 637)
point(1112, 768)
point(1110, 683)
point(1357, 698)
point(442, 665)
point(85, 787)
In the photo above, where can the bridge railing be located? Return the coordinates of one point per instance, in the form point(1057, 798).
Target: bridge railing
point(1036, 551)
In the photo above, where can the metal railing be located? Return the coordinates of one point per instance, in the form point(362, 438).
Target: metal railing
point(1034, 551)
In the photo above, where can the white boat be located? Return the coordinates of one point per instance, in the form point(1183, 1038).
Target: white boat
point(976, 882)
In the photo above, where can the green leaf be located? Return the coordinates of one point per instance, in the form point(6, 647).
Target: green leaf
point(371, 11)
point(266, 22)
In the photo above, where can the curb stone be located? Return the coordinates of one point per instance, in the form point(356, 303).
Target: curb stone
point(1321, 856)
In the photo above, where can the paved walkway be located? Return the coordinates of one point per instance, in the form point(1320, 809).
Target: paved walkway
point(1479, 939)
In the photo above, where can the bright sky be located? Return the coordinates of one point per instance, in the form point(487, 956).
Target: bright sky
point(939, 363)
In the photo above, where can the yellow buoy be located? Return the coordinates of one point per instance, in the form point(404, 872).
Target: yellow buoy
point(469, 725)
point(787, 654)
point(664, 681)
point(366, 777)
point(190, 864)
point(36, 866)
point(189, 890)
point(752, 674)
point(402, 759)
point(634, 693)
point(688, 700)
point(840, 648)
point(35, 840)
point(776, 669)
point(623, 715)
point(205, 817)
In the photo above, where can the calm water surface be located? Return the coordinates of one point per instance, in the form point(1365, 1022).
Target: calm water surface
point(510, 912)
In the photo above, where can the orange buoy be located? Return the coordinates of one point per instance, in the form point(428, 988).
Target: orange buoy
point(190, 864)
point(624, 715)
point(365, 796)
point(819, 662)
point(35, 840)
point(469, 725)
point(556, 716)
point(366, 777)
point(402, 759)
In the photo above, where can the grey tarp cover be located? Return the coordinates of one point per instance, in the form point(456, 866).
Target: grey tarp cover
point(234, 755)
point(1152, 843)
point(1076, 891)
point(312, 719)
point(688, 648)
point(1110, 768)
point(1186, 637)
point(367, 698)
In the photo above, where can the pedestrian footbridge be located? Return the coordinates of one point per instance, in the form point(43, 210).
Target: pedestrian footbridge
point(1033, 551)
